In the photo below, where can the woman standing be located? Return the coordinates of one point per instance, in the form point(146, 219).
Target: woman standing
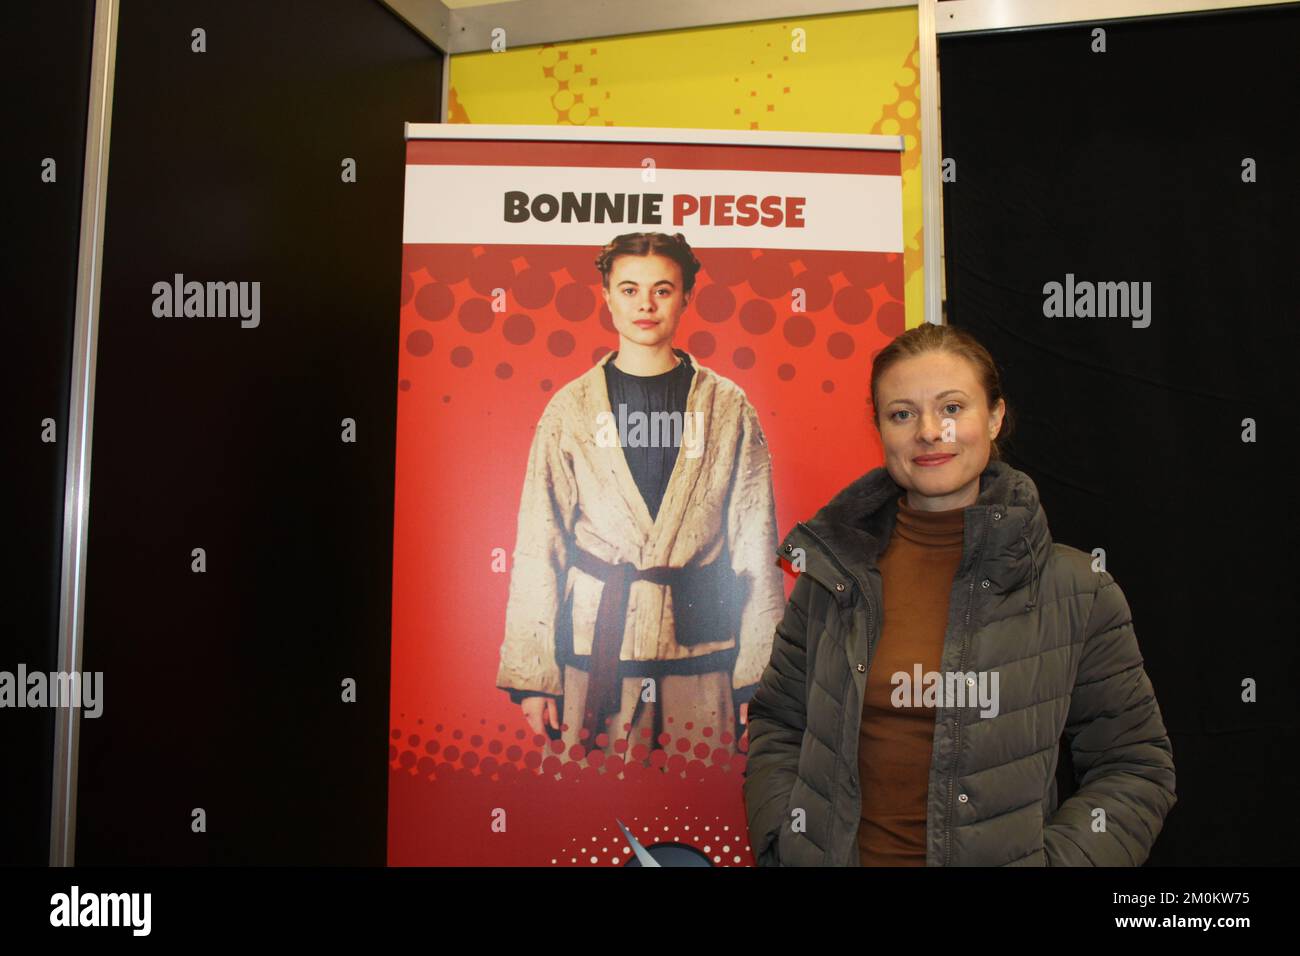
point(643, 596)
point(938, 569)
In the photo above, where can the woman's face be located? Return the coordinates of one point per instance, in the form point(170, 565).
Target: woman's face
point(937, 429)
point(645, 298)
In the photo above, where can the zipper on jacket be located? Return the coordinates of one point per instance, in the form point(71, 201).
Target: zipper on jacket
point(871, 625)
point(961, 668)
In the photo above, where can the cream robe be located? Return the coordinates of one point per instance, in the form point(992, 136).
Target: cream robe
point(719, 502)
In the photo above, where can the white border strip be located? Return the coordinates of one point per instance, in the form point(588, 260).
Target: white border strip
point(652, 134)
point(530, 22)
point(445, 107)
point(968, 16)
point(931, 165)
point(81, 407)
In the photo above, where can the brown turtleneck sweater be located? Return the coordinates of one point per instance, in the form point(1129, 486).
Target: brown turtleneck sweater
point(895, 743)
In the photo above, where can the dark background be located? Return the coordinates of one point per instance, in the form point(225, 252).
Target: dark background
point(1126, 166)
point(223, 689)
point(45, 69)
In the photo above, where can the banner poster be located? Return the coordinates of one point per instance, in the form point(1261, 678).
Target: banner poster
point(631, 359)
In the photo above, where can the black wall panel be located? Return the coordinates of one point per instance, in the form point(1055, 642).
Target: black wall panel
point(1127, 166)
point(45, 51)
point(223, 688)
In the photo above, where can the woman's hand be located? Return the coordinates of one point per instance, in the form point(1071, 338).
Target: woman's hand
point(744, 722)
point(539, 711)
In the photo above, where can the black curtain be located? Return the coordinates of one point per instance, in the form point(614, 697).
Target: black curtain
point(1127, 166)
point(223, 689)
point(45, 51)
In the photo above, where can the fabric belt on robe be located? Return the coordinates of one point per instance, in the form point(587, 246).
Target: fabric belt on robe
point(696, 588)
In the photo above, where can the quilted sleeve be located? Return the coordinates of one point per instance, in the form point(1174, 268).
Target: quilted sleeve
point(1123, 762)
point(777, 717)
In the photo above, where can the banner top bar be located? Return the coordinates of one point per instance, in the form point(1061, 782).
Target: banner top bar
point(652, 134)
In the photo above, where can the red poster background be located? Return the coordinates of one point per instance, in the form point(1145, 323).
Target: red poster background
point(472, 386)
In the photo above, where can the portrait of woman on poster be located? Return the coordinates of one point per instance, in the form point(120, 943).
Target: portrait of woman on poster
point(939, 565)
point(644, 592)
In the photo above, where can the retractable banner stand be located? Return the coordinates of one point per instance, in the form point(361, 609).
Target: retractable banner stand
point(585, 576)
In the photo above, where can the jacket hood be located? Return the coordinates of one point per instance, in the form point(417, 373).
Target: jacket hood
point(1006, 525)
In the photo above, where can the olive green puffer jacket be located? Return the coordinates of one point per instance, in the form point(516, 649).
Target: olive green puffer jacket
point(1058, 634)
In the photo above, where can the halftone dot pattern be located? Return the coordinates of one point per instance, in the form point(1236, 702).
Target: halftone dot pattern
point(817, 290)
point(715, 303)
point(903, 117)
point(518, 329)
point(679, 792)
point(575, 302)
point(757, 317)
point(475, 315)
point(419, 342)
point(668, 752)
point(728, 266)
point(434, 301)
point(800, 295)
point(534, 288)
point(852, 305)
point(891, 319)
point(770, 276)
point(808, 318)
point(491, 271)
point(560, 343)
point(799, 330)
point(721, 843)
point(701, 344)
point(869, 271)
point(840, 345)
point(568, 98)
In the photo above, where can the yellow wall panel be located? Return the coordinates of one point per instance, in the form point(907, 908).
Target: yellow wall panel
point(840, 73)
